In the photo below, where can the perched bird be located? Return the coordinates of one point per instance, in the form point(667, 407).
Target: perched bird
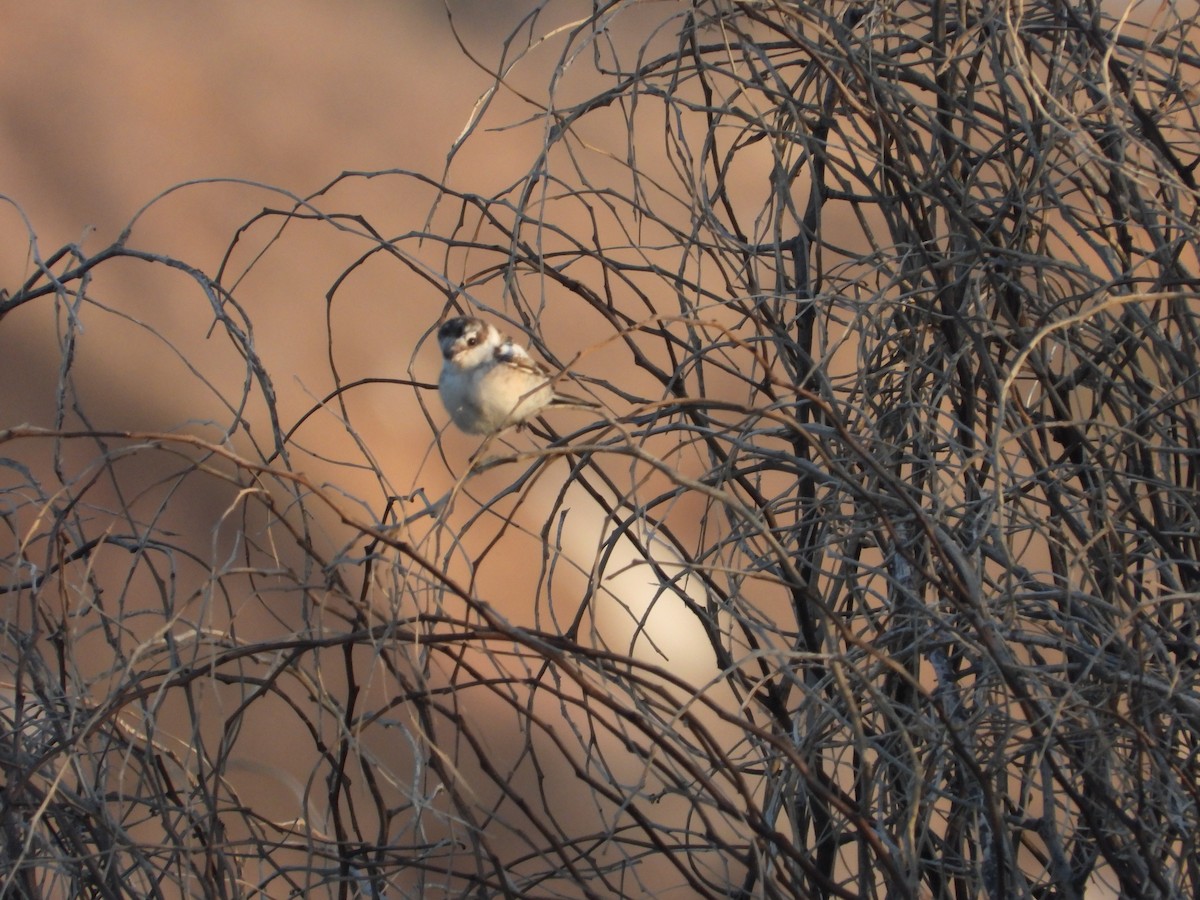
point(488, 383)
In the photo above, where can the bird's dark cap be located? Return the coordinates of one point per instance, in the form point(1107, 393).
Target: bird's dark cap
point(453, 329)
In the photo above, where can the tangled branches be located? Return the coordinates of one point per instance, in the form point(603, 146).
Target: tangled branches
point(875, 579)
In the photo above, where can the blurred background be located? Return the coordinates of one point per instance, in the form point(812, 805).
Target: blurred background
point(224, 637)
point(169, 127)
point(104, 108)
point(202, 117)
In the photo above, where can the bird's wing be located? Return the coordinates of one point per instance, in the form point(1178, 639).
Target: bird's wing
point(512, 354)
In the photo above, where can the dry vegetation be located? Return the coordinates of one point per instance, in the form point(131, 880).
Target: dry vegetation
point(876, 579)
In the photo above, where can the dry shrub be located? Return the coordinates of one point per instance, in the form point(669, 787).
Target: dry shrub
point(875, 579)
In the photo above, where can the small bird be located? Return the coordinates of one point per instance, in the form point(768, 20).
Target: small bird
point(488, 383)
